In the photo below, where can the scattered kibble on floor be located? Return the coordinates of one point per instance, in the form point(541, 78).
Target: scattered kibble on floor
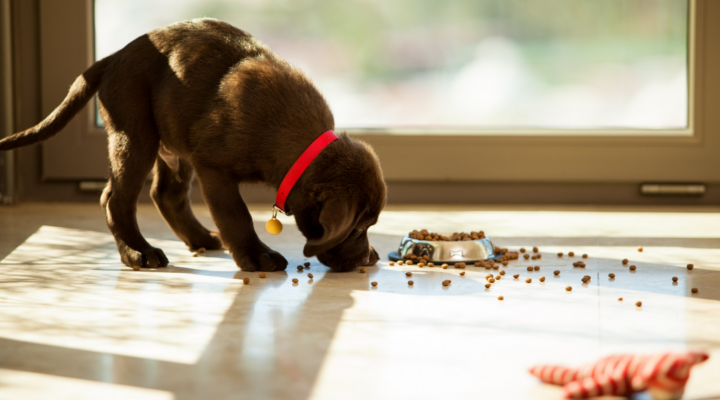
point(571, 253)
point(516, 276)
point(611, 275)
point(640, 249)
point(363, 270)
point(410, 283)
point(201, 250)
point(522, 249)
point(409, 262)
point(194, 254)
point(445, 283)
point(530, 269)
point(690, 266)
point(502, 272)
point(262, 275)
point(462, 273)
point(307, 264)
point(633, 268)
point(444, 266)
point(487, 285)
point(674, 278)
point(535, 250)
point(541, 279)
point(299, 267)
point(585, 256)
point(310, 276)
point(556, 272)
point(639, 303)
point(619, 298)
point(625, 261)
point(401, 262)
point(373, 283)
point(560, 254)
point(694, 290)
point(537, 268)
point(526, 256)
point(295, 280)
point(246, 280)
point(500, 298)
point(528, 280)
point(491, 280)
point(408, 274)
point(392, 263)
point(568, 288)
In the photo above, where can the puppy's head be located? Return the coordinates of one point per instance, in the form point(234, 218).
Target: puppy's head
point(341, 198)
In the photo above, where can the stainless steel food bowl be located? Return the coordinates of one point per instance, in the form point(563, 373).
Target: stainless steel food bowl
point(468, 251)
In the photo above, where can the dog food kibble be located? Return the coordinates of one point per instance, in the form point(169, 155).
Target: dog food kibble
point(462, 273)
point(408, 274)
point(307, 264)
point(560, 254)
point(488, 285)
point(194, 254)
point(444, 266)
point(526, 256)
point(516, 276)
point(409, 262)
point(556, 272)
point(201, 250)
point(498, 277)
point(246, 280)
point(537, 268)
point(401, 262)
point(533, 258)
point(410, 283)
point(530, 269)
point(431, 265)
point(500, 298)
point(363, 270)
point(625, 261)
point(690, 266)
point(535, 249)
point(491, 280)
point(522, 249)
point(675, 278)
point(392, 263)
point(568, 288)
point(639, 303)
point(579, 264)
point(502, 272)
point(310, 276)
point(619, 298)
point(262, 275)
point(611, 275)
point(640, 249)
point(586, 279)
point(373, 283)
point(571, 254)
point(694, 290)
point(528, 280)
point(633, 268)
point(299, 267)
point(541, 279)
point(585, 256)
point(295, 280)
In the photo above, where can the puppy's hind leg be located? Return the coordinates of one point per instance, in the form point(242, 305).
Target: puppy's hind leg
point(132, 153)
point(171, 194)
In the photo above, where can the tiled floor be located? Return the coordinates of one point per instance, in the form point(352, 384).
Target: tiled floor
point(76, 324)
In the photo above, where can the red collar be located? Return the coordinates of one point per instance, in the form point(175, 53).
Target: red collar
point(300, 166)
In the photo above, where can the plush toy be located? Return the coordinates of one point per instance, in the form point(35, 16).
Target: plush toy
point(664, 375)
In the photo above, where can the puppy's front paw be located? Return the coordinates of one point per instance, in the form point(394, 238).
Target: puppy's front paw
point(260, 260)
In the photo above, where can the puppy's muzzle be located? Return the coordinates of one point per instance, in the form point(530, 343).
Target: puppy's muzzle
point(372, 258)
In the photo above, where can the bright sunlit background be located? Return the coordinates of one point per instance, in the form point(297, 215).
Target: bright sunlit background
point(459, 64)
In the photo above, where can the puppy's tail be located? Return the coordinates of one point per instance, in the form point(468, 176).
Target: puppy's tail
point(81, 91)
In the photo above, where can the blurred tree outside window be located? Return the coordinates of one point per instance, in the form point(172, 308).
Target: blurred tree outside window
point(459, 64)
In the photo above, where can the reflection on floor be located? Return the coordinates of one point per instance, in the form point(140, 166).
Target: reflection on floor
point(76, 324)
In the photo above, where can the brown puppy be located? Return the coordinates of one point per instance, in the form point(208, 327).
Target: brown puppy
point(206, 96)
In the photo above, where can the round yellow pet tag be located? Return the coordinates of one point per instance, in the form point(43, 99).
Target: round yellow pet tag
point(274, 226)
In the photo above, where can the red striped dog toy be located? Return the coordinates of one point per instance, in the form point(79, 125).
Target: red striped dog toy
point(664, 375)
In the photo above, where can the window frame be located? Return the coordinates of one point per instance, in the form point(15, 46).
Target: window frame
point(547, 155)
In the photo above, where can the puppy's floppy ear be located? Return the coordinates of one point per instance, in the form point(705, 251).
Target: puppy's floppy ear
point(337, 218)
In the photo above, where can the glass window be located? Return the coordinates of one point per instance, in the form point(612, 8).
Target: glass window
point(459, 65)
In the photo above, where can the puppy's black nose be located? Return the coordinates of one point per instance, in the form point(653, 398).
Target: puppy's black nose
point(372, 258)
